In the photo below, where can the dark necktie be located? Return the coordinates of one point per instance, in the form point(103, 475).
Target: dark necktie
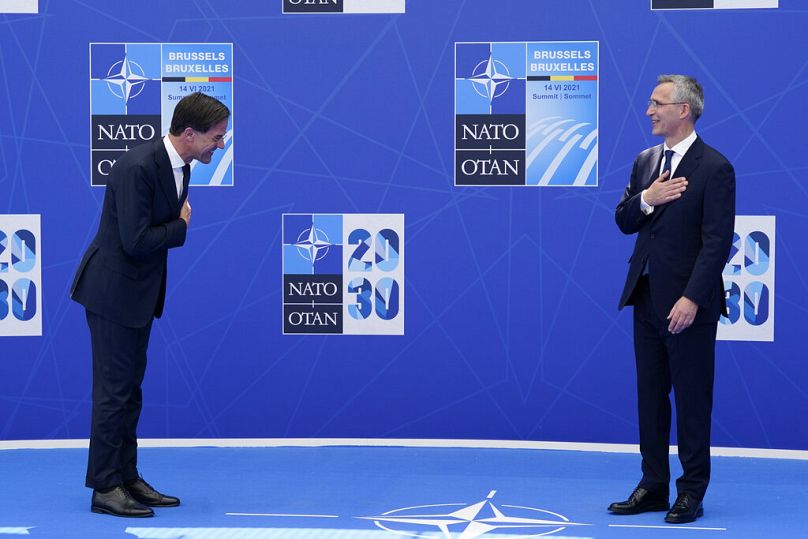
point(668, 161)
point(186, 175)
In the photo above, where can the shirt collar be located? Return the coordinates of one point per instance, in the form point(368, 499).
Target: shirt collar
point(173, 156)
point(684, 145)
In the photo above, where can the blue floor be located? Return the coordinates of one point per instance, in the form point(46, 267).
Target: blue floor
point(384, 493)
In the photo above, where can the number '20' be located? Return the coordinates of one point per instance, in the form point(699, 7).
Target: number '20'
point(20, 299)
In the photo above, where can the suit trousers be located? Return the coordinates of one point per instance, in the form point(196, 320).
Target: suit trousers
point(119, 363)
point(686, 362)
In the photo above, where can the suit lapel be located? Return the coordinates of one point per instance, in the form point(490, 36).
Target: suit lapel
point(690, 161)
point(165, 175)
point(655, 162)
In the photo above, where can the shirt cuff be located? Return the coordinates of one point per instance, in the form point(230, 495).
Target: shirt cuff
point(646, 208)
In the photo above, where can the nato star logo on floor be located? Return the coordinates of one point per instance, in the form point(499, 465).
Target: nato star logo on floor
point(471, 521)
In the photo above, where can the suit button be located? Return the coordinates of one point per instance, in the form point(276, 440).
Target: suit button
point(652, 236)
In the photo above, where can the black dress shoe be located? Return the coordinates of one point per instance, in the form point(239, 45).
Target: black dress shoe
point(145, 494)
point(685, 509)
point(118, 502)
point(640, 501)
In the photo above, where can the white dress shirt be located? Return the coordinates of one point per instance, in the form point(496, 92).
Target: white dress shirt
point(176, 164)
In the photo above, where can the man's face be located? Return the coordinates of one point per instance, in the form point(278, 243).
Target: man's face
point(666, 117)
point(204, 144)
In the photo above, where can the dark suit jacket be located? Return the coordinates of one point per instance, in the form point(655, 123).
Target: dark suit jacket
point(687, 241)
point(122, 275)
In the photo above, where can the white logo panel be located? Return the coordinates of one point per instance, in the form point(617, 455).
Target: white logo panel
point(749, 281)
point(20, 276)
point(373, 266)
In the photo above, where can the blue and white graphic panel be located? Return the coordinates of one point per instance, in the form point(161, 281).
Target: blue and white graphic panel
point(20, 276)
point(526, 113)
point(562, 114)
point(207, 68)
point(343, 274)
point(749, 281)
point(373, 266)
point(134, 88)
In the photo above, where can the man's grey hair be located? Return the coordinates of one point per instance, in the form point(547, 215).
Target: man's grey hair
point(688, 90)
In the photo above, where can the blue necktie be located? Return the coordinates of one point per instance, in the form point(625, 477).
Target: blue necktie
point(668, 161)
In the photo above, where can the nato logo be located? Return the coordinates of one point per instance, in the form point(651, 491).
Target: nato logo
point(481, 519)
point(134, 88)
point(343, 274)
point(713, 4)
point(490, 114)
point(312, 273)
point(125, 98)
point(471, 521)
point(526, 113)
point(343, 6)
point(312, 6)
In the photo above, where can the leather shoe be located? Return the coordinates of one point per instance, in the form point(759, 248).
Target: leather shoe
point(685, 509)
point(640, 501)
point(118, 502)
point(145, 494)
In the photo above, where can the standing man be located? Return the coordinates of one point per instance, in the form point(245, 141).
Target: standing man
point(681, 203)
point(121, 281)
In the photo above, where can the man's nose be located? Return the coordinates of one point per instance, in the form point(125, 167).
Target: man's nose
point(220, 143)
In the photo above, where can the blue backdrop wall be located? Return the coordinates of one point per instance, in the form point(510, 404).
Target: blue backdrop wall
point(511, 328)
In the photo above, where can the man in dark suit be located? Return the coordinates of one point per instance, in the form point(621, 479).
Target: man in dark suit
point(121, 281)
point(680, 202)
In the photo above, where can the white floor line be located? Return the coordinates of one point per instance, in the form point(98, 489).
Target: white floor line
point(278, 515)
point(668, 527)
point(401, 442)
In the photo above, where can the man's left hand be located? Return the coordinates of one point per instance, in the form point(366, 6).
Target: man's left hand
point(682, 315)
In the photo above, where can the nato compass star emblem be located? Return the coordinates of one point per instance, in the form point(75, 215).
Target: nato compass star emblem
point(471, 521)
point(126, 79)
point(490, 78)
point(313, 244)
